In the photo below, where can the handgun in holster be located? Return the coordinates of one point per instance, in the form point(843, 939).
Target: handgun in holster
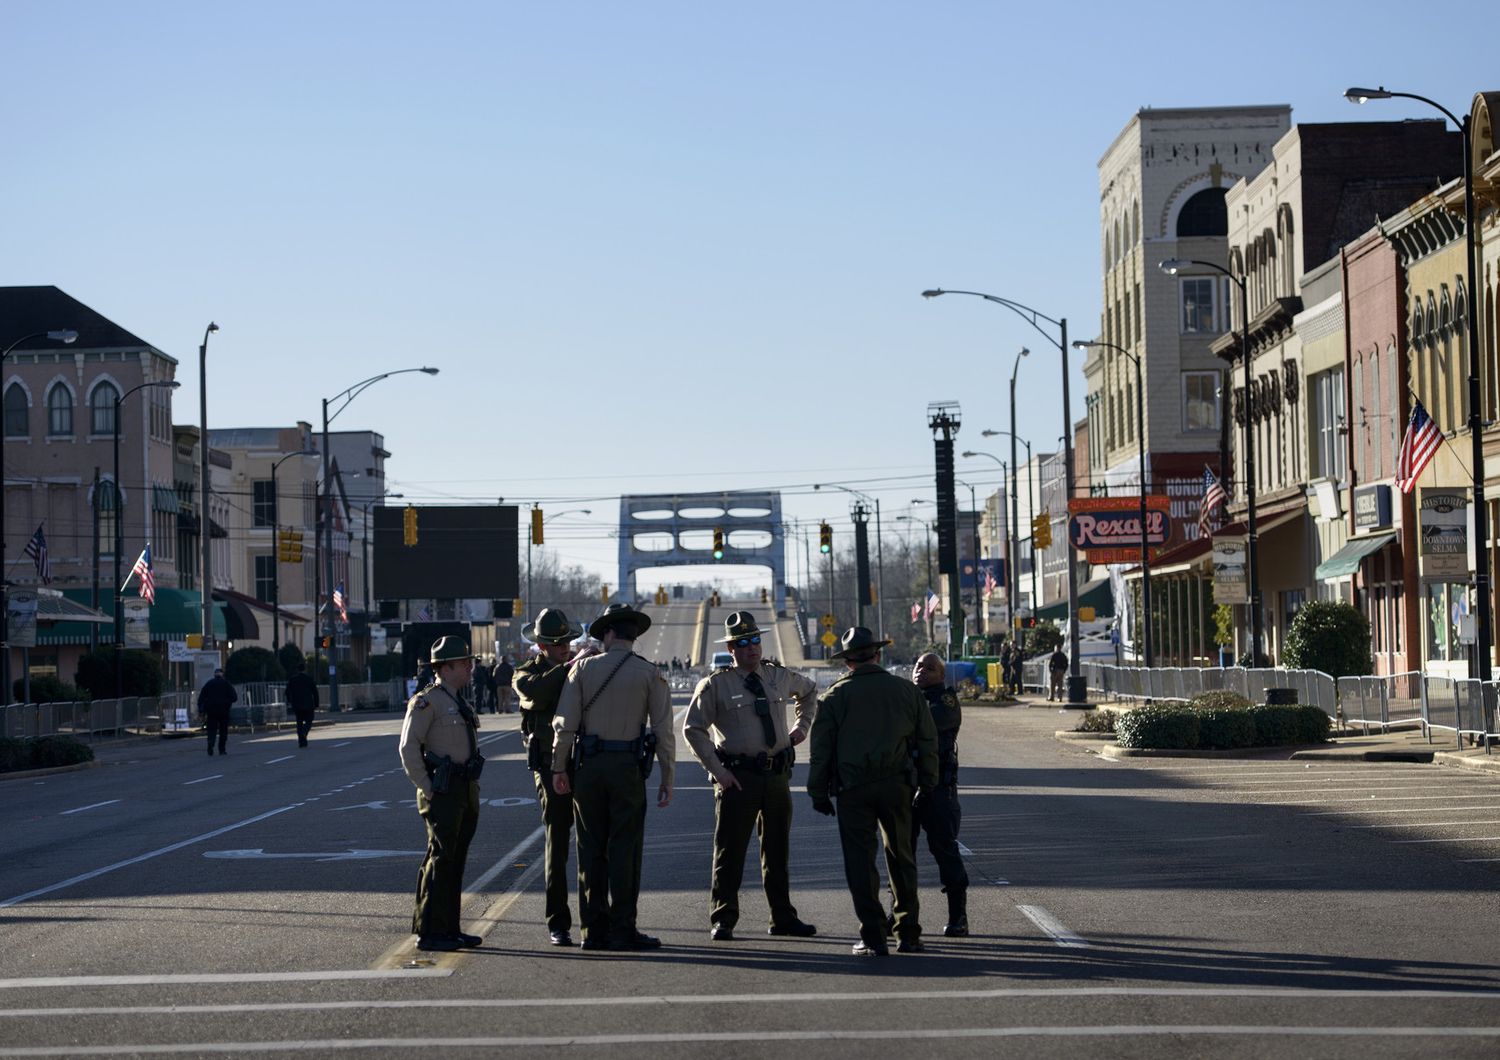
point(645, 753)
point(439, 771)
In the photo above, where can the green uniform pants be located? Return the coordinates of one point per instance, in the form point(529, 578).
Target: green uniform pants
point(609, 810)
point(886, 805)
point(451, 820)
point(557, 819)
point(764, 803)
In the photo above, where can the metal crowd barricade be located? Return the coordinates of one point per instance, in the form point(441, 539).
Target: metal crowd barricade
point(1383, 702)
point(1184, 683)
point(1461, 705)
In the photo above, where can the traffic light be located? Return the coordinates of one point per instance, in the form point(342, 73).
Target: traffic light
point(825, 539)
point(327, 643)
point(536, 526)
point(718, 542)
point(764, 596)
point(1041, 530)
point(289, 546)
point(515, 608)
point(604, 594)
point(409, 526)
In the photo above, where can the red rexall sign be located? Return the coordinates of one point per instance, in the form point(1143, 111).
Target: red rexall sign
point(1109, 528)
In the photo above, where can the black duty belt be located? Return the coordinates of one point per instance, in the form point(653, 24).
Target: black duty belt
point(769, 764)
point(616, 745)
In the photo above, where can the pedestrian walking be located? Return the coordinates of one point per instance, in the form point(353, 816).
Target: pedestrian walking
point(539, 684)
point(1015, 659)
point(603, 713)
point(440, 753)
point(938, 813)
point(482, 688)
point(214, 701)
point(302, 698)
point(737, 728)
point(503, 675)
point(873, 747)
point(1057, 669)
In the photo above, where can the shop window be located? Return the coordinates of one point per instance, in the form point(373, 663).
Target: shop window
point(1200, 401)
point(1328, 425)
point(1197, 305)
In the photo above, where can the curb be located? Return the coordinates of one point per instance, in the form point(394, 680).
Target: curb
point(1073, 734)
point(1113, 751)
point(23, 774)
point(1488, 764)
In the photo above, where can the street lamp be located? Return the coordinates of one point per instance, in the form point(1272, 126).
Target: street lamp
point(205, 537)
point(1140, 435)
point(65, 336)
point(879, 552)
point(1013, 535)
point(1483, 617)
point(1015, 492)
point(276, 549)
point(364, 523)
point(1173, 266)
point(342, 399)
point(1077, 685)
point(165, 384)
point(547, 519)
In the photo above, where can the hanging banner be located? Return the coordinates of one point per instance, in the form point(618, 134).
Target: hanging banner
point(1108, 529)
point(137, 623)
point(21, 632)
point(1443, 533)
point(1230, 583)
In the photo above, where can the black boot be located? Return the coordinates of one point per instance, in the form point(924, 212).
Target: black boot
point(958, 915)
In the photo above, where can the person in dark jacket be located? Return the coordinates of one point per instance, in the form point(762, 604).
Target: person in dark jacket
point(214, 701)
point(938, 813)
point(302, 698)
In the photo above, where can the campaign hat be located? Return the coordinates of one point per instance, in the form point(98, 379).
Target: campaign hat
point(857, 639)
point(613, 615)
point(552, 626)
point(450, 649)
point(740, 624)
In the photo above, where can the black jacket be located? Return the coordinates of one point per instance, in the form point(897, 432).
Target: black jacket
point(217, 694)
point(301, 691)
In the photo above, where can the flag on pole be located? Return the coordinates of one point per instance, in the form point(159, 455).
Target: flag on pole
point(932, 603)
point(1418, 446)
point(1213, 496)
point(143, 569)
point(424, 613)
point(916, 610)
point(36, 548)
point(990, 585)
point(341, 604)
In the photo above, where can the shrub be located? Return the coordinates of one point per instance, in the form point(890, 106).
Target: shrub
point(1226, 727)
point(13, 754)
point(45, 689)
point(291, 658)
point(43, 753)
point(1042, 639)
point(384, 667)
point(253, 664)
point(1289, 724)
point(1219, 699)
point(1263, 662)
point(1331, 637)
point(1096, 721)
point(141, 673)
point(1223, 625)
point(1160, 726)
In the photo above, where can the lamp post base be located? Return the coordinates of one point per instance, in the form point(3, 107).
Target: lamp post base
point(1078, 691)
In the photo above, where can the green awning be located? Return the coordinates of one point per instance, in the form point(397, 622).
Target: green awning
point(176, 613)
point(165, 500)
point(1346, 560)
point(1096, 594)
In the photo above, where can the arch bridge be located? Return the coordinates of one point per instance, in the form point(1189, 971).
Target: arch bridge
point(676, 530)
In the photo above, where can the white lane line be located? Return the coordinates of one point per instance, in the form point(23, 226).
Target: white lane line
point(18, 899)
point(200, 780)
point(1051, 926)
point(346, 743)
point(71, 981)
point(90, 806)
point(283, 758)
point(415, 1045)
point(506, 862)
point(1428, 824)
point(646, 1001)
point(1460, 839)
point(1376, 798)
point(1370, 813)
point(997, 881)
point(1322, 792)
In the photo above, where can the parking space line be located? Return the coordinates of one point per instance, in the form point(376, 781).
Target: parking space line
point(1460, 839)
point(1052, 927)
point(1430, 824)
point(90, 806)
point(70, 982)
point(283, 758)
point(346, 743)
point(200, 780)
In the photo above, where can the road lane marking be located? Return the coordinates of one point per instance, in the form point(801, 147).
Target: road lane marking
point(1428, 824)
point(200, 780)
point(1369, 813)
point(72, 981)
point(90, 806)
point(259, 853)
point(506, 862)
point(346, 743)
point(417, 1045)
point(18, 899)
point(1460, 839)
point(1053, 927)
point(283, 758)
point(1376, 798)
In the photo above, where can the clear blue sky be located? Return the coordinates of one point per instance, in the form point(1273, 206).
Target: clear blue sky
point(652, 246)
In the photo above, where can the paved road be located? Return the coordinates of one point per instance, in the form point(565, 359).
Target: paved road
point(173, 902)
point(671, 632)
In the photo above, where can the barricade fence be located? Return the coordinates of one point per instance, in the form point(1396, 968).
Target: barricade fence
point(1184, 683)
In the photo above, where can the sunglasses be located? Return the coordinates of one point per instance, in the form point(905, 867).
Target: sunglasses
point(745, 642)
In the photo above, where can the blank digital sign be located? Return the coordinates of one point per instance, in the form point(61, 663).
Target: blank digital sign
point(462, 552)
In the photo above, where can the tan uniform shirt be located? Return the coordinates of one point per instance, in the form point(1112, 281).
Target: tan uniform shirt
point(434, 723)
point(722, 713)
point(637, 693)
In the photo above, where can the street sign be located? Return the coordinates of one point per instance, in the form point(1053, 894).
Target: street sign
point(826, 621)
point(828, 639)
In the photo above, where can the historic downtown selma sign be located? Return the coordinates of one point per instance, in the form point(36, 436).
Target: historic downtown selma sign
point(1109, 528)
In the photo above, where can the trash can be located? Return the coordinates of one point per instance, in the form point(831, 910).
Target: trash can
point(1281, 697)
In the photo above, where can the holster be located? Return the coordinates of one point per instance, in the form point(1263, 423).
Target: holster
point(584, 744)
point(645, 756)
point(440, 771)
point(538, 753)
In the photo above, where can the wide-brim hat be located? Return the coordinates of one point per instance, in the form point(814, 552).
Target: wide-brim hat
point(552, 626)
point(740, 624)
point(450, 649)
point(857, 639)
point(613, 615)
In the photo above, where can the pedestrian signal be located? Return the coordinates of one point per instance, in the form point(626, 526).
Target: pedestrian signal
point(718, 542)
point(764, 596)
point(409, 526)
point(515, 608)
point(536, 526)
point(1041, 531)
point(825, 539)
point(327, 643)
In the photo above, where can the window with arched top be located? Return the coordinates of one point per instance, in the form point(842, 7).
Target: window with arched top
point(59, 411)
point(1135, 223)
point(1205, 214)
point(1445, 311)
point(16, 412)
point(1418, 325)
point(102, 404)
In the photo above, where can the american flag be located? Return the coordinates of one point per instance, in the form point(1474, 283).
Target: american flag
point(916, 610)
point(1418, 446)
point(1213, 496)
point(148, 579)
point(424, 614)
point(340, 603)
point(36, 548)
point(932, 603)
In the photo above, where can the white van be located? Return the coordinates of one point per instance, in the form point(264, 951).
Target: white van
point(720, 660)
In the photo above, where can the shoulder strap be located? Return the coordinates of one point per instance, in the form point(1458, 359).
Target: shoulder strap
point(600, 690)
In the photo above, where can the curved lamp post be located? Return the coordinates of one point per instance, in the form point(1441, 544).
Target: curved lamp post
point(529, 543)
point(879, 553)
point(1483, 618)
point(1013, 538)
point(1015, 491)
point(1077, 685)
point(341, 400)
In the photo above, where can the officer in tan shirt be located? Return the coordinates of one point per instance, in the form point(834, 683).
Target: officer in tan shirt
point(605, 705)
point(737, 728)
point(440, 754)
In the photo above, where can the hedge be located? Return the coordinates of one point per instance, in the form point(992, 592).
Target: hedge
point(1182, 727)
point(42, 753)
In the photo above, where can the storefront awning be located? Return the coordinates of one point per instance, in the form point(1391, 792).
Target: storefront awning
point(1346, 560)
point(1095, 594)
point(163, 499)
point(1263, 523)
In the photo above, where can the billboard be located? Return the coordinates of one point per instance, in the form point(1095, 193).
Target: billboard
point(424, 552)
point(1108, 529)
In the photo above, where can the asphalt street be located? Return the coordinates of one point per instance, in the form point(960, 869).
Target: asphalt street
point(172, 903)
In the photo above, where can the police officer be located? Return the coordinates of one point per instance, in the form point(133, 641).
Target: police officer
point(605, 705)
point(539, 684)
point(214, 701)
point(440, 753)
point(736, 726)
point(938, 813)
point(873, 744)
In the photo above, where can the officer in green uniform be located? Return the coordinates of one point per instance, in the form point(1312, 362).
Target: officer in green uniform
point(873, 745)
point(939, 814)
point(539, 683)
point(736, 726)
point(440, 754)
point(604, 708)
